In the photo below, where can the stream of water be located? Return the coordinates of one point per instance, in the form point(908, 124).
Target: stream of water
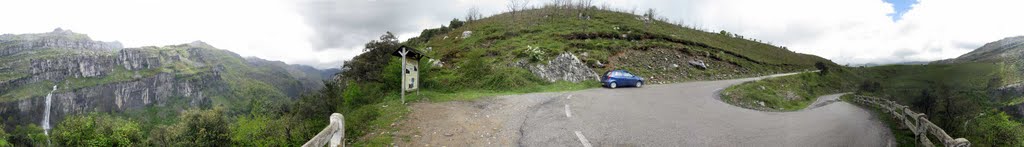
point(46, 114)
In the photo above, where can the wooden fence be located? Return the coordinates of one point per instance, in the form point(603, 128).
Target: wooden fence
point(333, 135)
point(916, 122)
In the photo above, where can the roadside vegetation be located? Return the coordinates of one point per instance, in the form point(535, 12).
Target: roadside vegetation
point(793, 92)
point(956, 97)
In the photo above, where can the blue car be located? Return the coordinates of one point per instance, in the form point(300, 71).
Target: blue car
point(618, 78)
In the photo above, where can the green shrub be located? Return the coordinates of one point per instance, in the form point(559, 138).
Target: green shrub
point(995, 130)
point(28, 135)
point(205, 128)
point(259, 131)
point(3, 137)
point(97, 130)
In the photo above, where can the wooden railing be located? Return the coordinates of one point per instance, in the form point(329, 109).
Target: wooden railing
point(333, 135)
point(916, 122)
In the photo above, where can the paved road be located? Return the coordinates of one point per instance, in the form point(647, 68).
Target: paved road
point(689, 114)
point(682, 114)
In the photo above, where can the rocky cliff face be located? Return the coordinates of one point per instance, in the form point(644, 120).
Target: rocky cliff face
point(58, 39)
point(79, 66)
point(94, 76)
point(158, 90)
point(135, 59)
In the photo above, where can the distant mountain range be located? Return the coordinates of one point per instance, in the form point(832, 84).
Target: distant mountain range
point(1002, 50)
point(84, 76)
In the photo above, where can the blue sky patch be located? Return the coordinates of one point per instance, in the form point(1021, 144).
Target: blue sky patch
point(901, 6)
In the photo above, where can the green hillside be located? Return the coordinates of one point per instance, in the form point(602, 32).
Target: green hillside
point(615, 39)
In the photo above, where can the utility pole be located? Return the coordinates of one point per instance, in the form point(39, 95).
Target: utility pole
point(403, 51)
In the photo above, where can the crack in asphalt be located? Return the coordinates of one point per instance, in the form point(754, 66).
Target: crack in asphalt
point(530, 111)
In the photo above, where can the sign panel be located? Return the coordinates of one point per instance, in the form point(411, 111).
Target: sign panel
point(412, 75)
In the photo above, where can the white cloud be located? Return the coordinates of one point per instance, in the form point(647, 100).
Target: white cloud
point(846, 31)
point(856, 31)
point(270, 29)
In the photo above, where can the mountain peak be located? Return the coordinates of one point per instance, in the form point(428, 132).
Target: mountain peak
point(201, 44)
point(1009, 47)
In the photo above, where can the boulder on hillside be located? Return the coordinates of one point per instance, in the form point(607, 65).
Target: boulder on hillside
point(699, 63)
point(565, 67)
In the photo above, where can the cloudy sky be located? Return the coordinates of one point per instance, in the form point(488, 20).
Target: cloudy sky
point(323, 33)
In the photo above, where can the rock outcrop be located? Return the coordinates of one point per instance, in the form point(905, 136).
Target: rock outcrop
point(565, 67)
point(136, 59)
point(73, 66)
point(58, 39)
point(157, 90)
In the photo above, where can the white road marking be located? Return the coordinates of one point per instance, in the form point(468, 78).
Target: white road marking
point(583, 139)
point(570, 97)
point(567, 112)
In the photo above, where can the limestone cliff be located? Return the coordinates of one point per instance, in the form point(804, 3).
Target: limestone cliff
point(94, 76)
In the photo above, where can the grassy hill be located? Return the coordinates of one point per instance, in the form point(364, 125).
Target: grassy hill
point(607, 40)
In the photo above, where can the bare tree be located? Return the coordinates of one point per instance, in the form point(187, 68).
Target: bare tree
point(526, 5)
point(584, 4)
point(516, 5)
point(512, 5)
point(650, 14)
point(473, 14)
point(556, 3)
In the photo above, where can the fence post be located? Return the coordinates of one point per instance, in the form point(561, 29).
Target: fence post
point(333, 135)
point(338, 136)
point(916, 122)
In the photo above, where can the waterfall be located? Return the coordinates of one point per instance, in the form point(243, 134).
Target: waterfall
point(46, 114)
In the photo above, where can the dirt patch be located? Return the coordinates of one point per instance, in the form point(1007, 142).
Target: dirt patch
point(451, 124)
point(485, 122)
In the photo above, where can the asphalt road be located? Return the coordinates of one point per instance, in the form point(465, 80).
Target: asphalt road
point(682, 114)
point(689, 114)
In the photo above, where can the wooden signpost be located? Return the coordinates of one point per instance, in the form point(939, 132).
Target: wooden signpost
point(410, 68)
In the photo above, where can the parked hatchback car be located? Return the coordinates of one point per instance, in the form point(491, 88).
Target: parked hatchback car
point(618, 78)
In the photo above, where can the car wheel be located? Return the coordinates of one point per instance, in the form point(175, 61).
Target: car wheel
point(612, 85)
point(639, 84)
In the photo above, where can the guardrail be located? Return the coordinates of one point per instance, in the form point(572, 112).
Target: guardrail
point(916, 122)
point(332, 135)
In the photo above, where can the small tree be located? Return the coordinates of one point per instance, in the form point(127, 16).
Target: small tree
point(822, 67)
